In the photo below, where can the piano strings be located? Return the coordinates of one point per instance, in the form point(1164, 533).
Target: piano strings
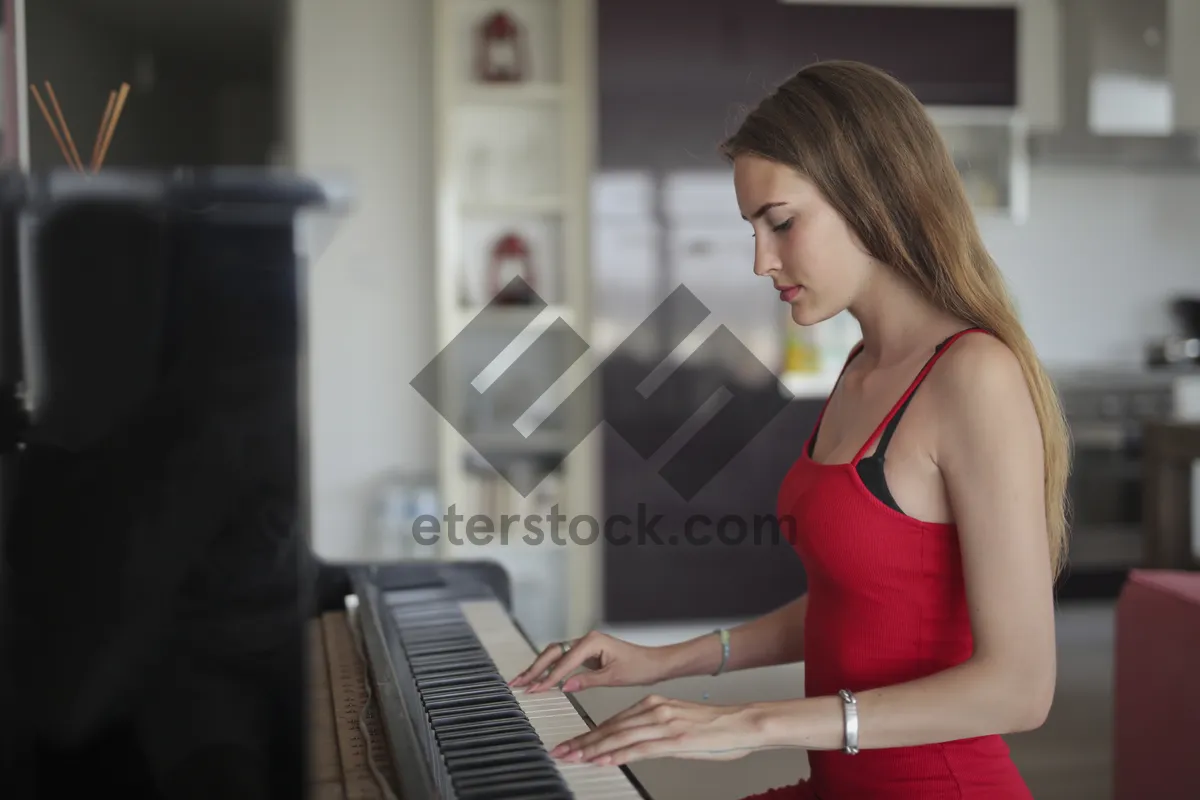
point(348, 755)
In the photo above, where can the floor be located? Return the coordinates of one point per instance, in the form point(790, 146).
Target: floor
point(1067, 759)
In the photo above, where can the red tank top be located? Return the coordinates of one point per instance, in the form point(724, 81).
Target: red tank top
point(886, 605)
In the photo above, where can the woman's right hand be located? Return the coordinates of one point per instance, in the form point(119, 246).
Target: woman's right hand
point(610, 661)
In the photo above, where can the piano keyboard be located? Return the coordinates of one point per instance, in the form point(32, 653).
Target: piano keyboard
point(440, 656)
point(553, 716)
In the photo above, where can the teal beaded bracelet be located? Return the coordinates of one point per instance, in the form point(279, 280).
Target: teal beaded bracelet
point(724, 634)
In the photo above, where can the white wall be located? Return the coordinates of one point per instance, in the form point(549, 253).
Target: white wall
point(359, 100)
point(1100, 255)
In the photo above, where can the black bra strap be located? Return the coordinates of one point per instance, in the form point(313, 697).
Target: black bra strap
point(886, 436)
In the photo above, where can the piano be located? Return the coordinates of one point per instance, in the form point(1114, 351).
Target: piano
point(409, 696)
point(163, 632)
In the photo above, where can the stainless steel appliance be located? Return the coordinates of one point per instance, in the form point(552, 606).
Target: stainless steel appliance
point(1117, 85)
point(1107, 414)
point(1182, 347)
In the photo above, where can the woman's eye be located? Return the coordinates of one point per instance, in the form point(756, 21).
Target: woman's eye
point(783, 226)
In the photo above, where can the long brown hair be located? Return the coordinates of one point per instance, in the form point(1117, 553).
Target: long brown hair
point(869, 146)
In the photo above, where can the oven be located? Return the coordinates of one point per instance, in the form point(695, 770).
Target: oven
point(1105, 488)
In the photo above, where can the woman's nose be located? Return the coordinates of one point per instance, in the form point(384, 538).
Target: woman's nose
point(765, 262)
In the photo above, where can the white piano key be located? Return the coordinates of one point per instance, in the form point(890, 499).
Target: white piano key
point(551, 712)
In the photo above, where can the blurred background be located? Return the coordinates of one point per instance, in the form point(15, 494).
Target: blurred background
point(574, 143)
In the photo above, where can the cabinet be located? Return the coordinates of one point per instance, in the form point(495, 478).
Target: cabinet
point(513, 111)
point(1183, 61)
point(989, 147)
point(990, 71)
point(948, 53)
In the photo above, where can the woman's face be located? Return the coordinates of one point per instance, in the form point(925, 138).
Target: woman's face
point(800, 242)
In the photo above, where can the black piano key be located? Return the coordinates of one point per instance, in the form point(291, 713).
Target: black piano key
point(415, 653)
point(532, 748)
point(485, 681)
point(451, 667)
point(448, 635)
point(478, 716)
point(475, 730)
point(442, 657)
point(483, 694)
point(479, 775)
point(519, 756)
point(455, 678)
point(473, 709)
point(464, 781)
point(473, 744)
point(529, 787)
point(437, 635)
point(468, 673)
point(462, 702)
point(476, 785)
point(434, 695)
point(418, 617)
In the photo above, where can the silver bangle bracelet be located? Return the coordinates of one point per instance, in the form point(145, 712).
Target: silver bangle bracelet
point(850, 719)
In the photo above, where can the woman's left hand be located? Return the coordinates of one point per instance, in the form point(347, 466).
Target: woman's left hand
point(659, 726)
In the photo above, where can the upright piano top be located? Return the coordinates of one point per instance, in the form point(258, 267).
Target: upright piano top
point(182, 187)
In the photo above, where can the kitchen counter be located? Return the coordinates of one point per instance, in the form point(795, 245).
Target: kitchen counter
point(810, 385)
point(1108, 376)
point(1089, 377)
point(1171, 449)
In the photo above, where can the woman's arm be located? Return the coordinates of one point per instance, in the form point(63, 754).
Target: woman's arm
point(774, 638)
point(989, 451)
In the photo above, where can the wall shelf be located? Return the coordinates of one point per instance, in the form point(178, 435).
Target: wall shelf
point(544, 204)
point(513, 171)
point(507, 95)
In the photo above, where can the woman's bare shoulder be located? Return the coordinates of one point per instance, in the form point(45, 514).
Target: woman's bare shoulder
point(982, 394)
point(979, 364)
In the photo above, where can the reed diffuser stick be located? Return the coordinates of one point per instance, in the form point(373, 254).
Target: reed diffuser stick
point(112, 125)
point(53, 128)
point(74, 158)
point(108, 110)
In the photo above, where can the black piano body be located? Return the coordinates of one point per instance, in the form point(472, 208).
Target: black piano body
point(155, 576)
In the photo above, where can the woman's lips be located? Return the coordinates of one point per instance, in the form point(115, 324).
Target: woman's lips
point(789, 294)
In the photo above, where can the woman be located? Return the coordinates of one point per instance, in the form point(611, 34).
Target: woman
point(928, 628)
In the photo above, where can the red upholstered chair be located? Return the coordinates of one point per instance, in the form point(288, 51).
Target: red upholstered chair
point(1157, 693)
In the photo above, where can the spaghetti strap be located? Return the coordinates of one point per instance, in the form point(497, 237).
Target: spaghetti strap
point(912, 387)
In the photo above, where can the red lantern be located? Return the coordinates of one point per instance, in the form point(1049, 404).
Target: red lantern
point(511, 258)
point(501, 55)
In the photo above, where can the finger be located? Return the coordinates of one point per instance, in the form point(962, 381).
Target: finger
point(595, 675)
point(580, 652)
point(635, 717)
point(611, 740)
point(543, 662)
point(602, 732)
